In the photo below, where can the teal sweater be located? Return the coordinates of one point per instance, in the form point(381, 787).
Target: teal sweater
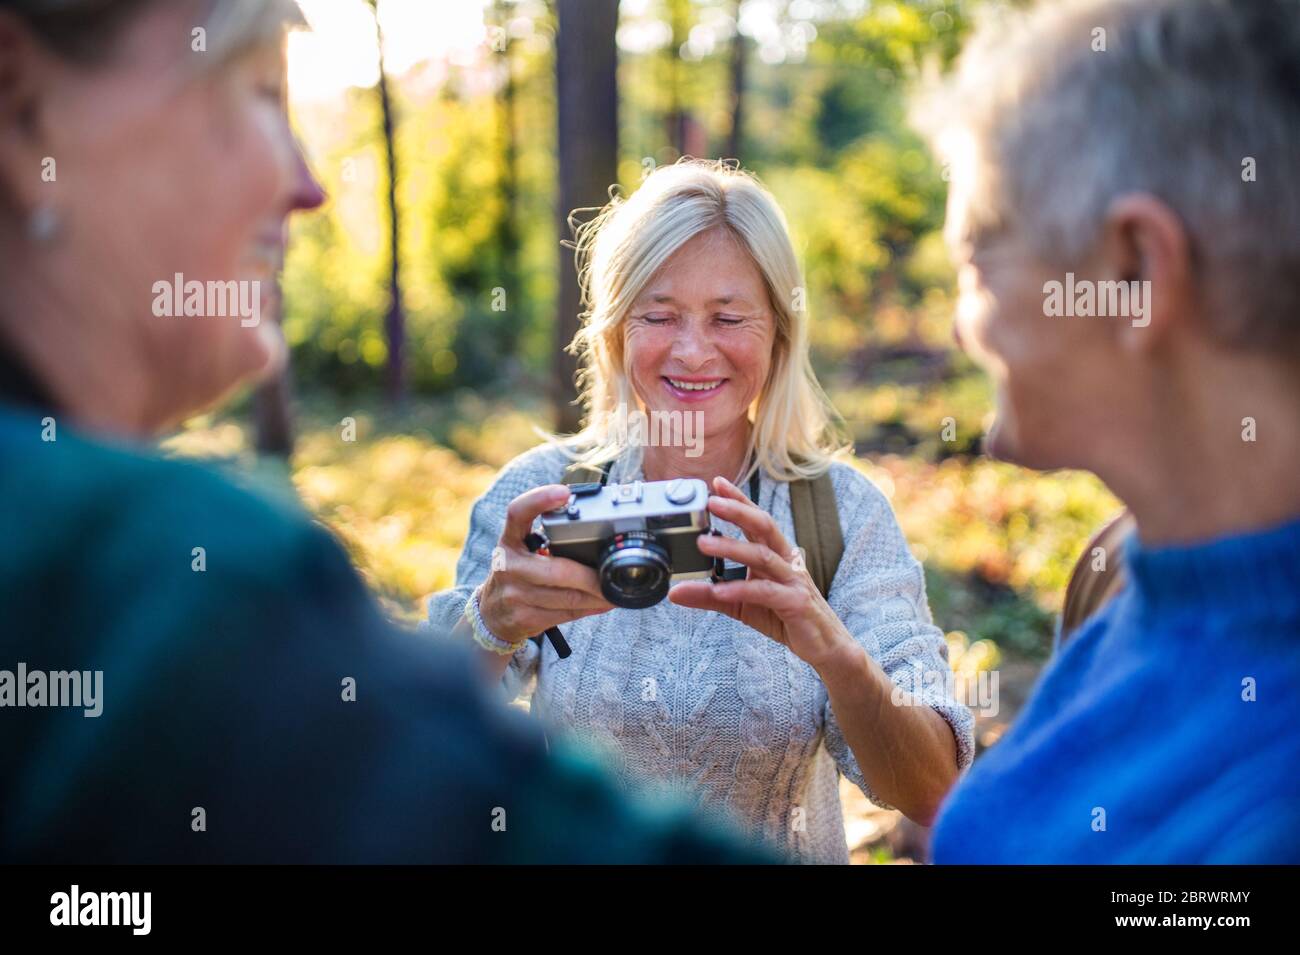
point(1168, 730)
point(223, 690)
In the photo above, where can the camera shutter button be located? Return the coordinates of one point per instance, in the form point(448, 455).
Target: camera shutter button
point(679, 491)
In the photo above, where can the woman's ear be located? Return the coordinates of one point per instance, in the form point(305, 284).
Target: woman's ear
point(24, 75)
point(1145, 245)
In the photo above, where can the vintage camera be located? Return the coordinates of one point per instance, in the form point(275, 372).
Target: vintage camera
point(639, 536)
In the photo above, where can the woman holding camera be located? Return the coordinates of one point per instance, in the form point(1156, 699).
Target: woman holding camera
point(695, 314)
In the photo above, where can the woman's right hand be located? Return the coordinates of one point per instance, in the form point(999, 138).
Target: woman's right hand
point(525, 593)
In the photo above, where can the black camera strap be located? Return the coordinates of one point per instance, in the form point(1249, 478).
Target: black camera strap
point(720, 569)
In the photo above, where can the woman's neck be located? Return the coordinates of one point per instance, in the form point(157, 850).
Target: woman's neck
point(87, 370)
point(718, 455)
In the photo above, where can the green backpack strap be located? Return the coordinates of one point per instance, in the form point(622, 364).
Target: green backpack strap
point(1090, 589)
point(817, 528)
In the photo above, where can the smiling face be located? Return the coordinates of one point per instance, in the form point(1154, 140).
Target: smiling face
point(1059, 380)
point(168, 165)
point(699, 337)
point(996, 325)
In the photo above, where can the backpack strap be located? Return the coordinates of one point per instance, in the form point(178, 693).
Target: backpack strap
point(817, 528)
point(1091, 589)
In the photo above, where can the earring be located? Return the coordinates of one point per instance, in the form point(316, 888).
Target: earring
point(43, 225)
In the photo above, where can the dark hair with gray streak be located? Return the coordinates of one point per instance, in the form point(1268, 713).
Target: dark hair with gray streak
point(81, 30)
point(85, 30)
point(1081, 101)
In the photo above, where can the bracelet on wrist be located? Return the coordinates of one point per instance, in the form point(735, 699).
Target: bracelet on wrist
point(484, 637)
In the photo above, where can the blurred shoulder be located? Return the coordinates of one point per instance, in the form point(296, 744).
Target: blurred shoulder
point(128, 504)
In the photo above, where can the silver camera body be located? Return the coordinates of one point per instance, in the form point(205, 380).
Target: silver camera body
point(638, 536)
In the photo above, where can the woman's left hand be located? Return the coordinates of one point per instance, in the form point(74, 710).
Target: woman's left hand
point(778, 597)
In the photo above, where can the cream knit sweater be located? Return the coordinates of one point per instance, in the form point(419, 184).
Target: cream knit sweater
point(701, 704)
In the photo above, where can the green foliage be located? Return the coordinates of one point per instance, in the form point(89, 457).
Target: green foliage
point(825, 106)
point(998, 544)
point(461, 240)
point(825, 127)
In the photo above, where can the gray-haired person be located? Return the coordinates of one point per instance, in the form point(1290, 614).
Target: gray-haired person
point(1125, 214)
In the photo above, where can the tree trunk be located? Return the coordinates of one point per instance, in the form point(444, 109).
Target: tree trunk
point(395, 320)
point(586, 62)
point(737, 88)
point(679, 22)
point(507, 226)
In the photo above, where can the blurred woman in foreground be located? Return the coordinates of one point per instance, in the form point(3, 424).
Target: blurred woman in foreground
point(230, 669)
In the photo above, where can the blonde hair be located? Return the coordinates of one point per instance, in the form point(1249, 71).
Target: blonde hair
point(795, 431)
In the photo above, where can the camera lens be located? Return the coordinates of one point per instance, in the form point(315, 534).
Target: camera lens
point(634, 571)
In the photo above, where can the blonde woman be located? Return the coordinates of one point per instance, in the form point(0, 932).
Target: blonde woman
point(755, 694)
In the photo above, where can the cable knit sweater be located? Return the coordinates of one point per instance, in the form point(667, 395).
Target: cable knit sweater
point(699, 703)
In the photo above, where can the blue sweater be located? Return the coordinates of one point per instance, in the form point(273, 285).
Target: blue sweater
point(1167, 731)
